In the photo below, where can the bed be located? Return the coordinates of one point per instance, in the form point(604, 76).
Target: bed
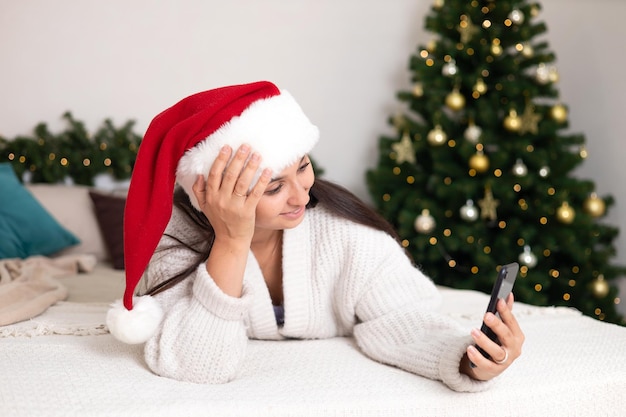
point(64, 362)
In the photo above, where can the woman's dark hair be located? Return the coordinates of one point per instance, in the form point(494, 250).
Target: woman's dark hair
point(335, 198)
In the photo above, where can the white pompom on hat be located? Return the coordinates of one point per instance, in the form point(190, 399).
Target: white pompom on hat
point(181, 143)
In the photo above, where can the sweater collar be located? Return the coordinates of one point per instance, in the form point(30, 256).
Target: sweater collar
point(297, 268)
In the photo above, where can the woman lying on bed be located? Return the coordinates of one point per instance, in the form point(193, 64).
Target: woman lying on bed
point(256, 247)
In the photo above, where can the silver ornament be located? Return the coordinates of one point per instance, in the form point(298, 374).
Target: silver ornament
point(449, 68)
point(424, 223)
point(516, 16)
point(472, 133)
point(544, 171)
point(519, 169)
point(469, 212)
point(528, 258)
point(542, 74)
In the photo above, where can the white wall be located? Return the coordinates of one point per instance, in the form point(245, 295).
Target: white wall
point(343, 60)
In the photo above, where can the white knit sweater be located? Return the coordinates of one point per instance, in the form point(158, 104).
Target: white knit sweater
point(339, 279)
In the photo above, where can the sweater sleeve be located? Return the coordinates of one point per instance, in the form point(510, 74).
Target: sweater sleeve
point(399, 323)
point(202, 337)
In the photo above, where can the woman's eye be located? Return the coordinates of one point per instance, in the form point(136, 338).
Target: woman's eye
point(304, 167)
point(274, 190)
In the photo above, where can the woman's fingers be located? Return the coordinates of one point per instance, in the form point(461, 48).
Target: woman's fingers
point(199, 190)
point(234, 170)
point(232, 174)
point(242, 185)
point(214, 179)
point(259, 188)
point(513, 337)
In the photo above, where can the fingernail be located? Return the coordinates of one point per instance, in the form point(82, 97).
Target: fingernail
point(225, 149)
point(475, 333)
point(244, 149)
point(255, 157)
point(489, 317)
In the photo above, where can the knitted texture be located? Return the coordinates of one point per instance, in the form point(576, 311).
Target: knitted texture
point(339, 279)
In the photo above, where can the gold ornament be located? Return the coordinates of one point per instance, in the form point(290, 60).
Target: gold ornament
point(467, 29)
point(488, 205)
point(529, 121)
point(404, 149)
point(527, 50)
point(437, 136)
point(424, 223)
point(496, 48)
point(594, 205)
point(480, 87)
point(512, 122)
point(455, 100)
point(398, 121)
point(479, 162)
point(565, 213)
point(600, 287)
point(559, 113)
point(553, 74)
point(431, 46)
point(582, 151)
point(534, 10)
point(418, 89)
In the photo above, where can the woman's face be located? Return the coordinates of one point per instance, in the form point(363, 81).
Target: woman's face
point(283, 204)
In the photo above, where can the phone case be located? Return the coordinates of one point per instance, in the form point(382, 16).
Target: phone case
point(501, 289)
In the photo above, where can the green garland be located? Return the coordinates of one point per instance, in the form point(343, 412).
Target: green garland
point(74, 153)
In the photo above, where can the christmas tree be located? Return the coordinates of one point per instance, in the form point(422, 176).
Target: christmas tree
point(479, 171)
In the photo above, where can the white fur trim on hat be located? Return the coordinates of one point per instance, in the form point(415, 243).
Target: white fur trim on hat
point(275, 127)
point(136, 325)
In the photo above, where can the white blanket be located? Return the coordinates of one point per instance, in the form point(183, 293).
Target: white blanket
point(572, 365)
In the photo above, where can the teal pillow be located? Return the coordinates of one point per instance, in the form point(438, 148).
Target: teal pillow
point(26, 228)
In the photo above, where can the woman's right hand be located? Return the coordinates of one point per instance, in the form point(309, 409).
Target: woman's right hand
point(227, 198)
point(229, 203)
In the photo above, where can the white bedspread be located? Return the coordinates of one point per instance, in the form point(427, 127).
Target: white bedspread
point(571, 366)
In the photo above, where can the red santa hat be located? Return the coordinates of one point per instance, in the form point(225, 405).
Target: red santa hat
point(181, 143)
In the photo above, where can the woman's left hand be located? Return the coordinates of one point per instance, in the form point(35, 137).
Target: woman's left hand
point(502, 356)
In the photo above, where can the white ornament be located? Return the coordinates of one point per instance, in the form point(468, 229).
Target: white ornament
point(469, 212)
point(449, 68)
point(519, 169)
point(424, 223)
point(544, 171)
point(528, 258)
point(516, 16)
point(542, 74)
point(472, 133)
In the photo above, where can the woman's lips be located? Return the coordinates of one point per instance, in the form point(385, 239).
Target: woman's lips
point(294, 214)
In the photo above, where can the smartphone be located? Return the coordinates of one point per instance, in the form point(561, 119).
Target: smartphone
point(501, 289)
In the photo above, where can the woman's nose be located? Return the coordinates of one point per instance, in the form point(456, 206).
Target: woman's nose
point(300, 194)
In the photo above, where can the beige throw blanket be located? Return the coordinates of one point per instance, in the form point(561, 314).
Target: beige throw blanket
point(29, 286)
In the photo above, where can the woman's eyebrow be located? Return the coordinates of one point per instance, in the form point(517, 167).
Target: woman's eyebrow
point(280, 178)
